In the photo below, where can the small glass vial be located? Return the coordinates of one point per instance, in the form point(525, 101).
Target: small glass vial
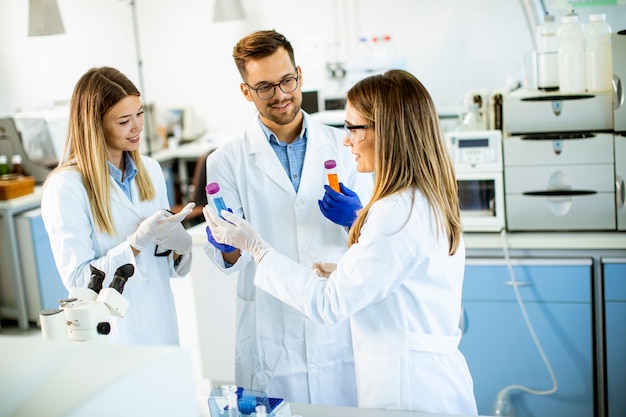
point(16, 165)
point(260, 411)
point(230, 392)
point(331, 173)
point(4, 165)
point(213, 190)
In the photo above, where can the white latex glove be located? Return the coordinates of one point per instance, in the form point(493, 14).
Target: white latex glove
point(323, 269)
point(157, 227)
point(178, 240)
point(235, 231)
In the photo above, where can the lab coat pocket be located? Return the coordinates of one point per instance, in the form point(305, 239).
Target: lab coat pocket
point(378, 380)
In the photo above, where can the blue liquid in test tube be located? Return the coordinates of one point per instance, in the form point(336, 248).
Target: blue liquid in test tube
point(213, 190)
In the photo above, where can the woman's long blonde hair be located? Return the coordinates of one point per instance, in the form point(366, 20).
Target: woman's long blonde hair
point(85, 148)
point(410, 151)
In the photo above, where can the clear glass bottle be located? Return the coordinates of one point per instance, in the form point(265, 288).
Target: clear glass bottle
point(231, 397)
point(260, 411)
point(16, 165)
point(4, 165)
point(547, 54)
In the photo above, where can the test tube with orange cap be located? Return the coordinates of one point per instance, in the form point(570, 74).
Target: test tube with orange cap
point(331, 173)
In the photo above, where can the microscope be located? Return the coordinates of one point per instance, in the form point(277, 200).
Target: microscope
point(85, 314)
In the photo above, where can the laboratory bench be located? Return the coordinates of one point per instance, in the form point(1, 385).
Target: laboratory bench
point(573, 286)
point(160, 379)
point(311, 410)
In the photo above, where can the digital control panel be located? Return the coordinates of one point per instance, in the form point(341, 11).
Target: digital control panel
point(478, 150)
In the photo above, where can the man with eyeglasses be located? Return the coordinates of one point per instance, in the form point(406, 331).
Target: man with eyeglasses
point(273, 175)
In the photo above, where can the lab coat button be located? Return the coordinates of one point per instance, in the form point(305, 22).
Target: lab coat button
point(312, 367)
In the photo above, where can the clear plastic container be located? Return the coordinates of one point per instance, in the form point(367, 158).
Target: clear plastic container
point(598, 55)
point(571, 55)
point(547, 54)
point(214, 193)
point(547, 40)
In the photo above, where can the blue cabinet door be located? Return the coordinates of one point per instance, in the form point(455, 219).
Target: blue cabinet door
point(500, 350)
point(51, 288)
point(614, 274)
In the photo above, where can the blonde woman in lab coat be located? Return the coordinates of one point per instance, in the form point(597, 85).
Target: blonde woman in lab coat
point(104, 205)
point(399, 284)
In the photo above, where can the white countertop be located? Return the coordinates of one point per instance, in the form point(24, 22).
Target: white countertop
point(514, 240)
point(309, 410)
point(547, 240)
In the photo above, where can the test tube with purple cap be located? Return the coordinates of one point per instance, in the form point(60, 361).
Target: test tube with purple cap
point(213, 190)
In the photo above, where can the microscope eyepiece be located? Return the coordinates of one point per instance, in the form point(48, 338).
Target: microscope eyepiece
point(97, 276)
point(121, 276)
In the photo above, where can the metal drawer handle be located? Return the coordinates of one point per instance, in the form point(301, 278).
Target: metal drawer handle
point(519, 283)
point(558, 136)
point(620, 193)
point(618, 92)
point(560, 97)
point(559, 193)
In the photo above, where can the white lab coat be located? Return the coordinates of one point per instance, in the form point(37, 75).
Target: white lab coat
point(76, 243)
point(401, 292)
point(278, 350)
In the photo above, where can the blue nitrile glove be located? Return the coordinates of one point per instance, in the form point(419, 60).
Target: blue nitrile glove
point(220, 246)
point(341, 207)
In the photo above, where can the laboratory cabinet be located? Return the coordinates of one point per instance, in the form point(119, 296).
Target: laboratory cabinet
point(614, 275)
point(556, 295)
point(42, 283)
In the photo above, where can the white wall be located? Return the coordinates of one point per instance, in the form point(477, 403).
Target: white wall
point(451, 45)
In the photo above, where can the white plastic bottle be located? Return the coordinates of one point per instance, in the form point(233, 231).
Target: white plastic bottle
point(598, 56)
point(571, 55)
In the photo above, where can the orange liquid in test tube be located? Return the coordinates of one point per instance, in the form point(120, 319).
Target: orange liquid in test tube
point(331, 172)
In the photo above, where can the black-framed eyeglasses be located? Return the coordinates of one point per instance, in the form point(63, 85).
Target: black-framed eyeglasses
point(266, 91)
point(351, 132)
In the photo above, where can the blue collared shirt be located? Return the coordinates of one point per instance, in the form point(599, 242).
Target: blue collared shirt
point(290, 155)
point(130, 171)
